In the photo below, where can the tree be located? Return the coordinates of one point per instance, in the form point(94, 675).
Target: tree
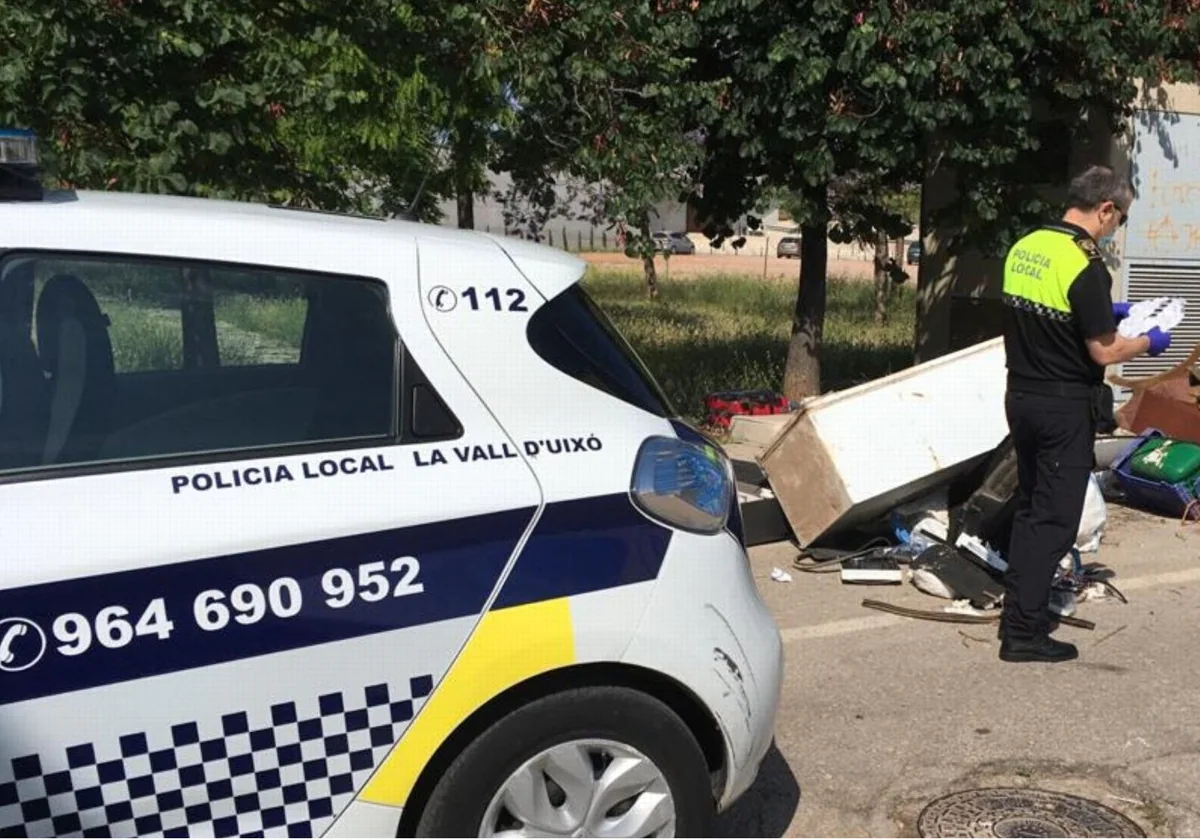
point(469, 47)
point(866, 212)
point(813, 94)
point(600, 96)
point(296, 102)
point(821, 90)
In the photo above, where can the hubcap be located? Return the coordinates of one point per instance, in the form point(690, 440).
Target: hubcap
point(583, 789)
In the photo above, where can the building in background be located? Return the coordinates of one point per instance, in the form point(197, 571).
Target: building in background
point(569, 227)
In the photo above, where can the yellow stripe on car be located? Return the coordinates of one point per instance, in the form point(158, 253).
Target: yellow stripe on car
point(510, 646)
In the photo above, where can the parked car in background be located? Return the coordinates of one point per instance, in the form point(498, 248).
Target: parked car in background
point(673, 242)
point(914, 253)
point(788, 248)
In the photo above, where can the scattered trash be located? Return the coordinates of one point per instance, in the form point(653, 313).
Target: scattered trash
point(878, 567)
point(930, 509)
point(1168, 401)
point(723, 406)
point(1094, 519)
point(960, 573)
point(982, 551)
point(934, 507)
point(831, 475)
point(1149, 482)
point(1062, 601)
point(967, 636)
point(963, 607)
point(958, 617)
point(929, 583)
point(1108, 636)
point(1108, 447)
point(780, 576)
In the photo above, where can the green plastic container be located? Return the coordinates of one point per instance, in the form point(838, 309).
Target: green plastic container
point(1164, 459)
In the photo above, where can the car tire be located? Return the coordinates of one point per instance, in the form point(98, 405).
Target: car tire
point(469, 790)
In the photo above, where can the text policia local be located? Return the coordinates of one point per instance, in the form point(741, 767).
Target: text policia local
point(276, 473)
point(231, 477)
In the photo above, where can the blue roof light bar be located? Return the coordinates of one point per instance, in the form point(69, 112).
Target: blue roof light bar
point(19, 165)
point(18, 147)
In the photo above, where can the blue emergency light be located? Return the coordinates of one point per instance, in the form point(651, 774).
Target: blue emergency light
point(19, 166)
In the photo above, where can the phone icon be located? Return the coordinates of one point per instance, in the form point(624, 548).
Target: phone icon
point(22, 644)
point(15, 632)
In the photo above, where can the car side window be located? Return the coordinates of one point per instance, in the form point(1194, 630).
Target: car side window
point(107, 359)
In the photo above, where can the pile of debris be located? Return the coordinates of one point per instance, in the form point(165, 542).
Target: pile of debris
point(912, 478)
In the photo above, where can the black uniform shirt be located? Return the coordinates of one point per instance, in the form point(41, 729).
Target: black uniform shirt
point(1042, 341)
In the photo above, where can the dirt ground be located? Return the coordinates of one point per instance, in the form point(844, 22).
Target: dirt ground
point(700, 265)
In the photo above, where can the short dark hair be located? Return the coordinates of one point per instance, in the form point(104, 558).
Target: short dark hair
point(1096, 185)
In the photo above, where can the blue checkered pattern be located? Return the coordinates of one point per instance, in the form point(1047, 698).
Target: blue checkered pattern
point(284, 772)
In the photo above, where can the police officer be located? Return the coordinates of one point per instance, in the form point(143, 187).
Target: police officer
point(1060, 334)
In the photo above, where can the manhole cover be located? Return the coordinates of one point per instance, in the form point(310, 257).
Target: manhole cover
point(1021, 812)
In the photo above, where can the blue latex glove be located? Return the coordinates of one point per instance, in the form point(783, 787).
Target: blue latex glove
point(1159, 341)
point(1121, 311)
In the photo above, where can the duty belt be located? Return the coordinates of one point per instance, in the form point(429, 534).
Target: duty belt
point(1054, 388)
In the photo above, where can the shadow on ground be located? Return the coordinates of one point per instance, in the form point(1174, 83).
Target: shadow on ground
point(767, 809)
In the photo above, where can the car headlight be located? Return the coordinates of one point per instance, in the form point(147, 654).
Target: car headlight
point(683, 484)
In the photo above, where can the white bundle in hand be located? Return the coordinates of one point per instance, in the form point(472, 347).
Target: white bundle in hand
point(1164, 313)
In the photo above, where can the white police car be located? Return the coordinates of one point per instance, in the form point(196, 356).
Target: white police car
point(319, 525)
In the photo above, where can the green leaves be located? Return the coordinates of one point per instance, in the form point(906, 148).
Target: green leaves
point(351, 107)
point(241, 98)
point(827, 89)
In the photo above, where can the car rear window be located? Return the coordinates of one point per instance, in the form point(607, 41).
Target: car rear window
point(573, 334)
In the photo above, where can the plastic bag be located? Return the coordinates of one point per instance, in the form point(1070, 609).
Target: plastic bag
point(1162, 312)
point(1094, 519)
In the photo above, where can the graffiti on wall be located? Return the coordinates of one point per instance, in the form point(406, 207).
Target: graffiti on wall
point(1164, 221)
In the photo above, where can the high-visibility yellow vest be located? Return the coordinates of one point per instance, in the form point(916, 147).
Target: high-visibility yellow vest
point(1040, 268)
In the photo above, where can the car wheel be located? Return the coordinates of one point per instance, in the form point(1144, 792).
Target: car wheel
point(591, 762)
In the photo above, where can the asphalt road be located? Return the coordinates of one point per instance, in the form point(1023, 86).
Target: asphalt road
point(882, 714)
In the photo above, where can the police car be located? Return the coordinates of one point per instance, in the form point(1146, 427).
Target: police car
point(318, 525)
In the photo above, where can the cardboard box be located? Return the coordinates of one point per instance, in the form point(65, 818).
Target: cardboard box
point(850, 457)
point(1168, 406)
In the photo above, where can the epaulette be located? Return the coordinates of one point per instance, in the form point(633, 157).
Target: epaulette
point(1089, 247)
point(1084, 242)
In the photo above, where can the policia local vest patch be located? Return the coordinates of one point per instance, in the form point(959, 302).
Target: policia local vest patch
point(1058, 294)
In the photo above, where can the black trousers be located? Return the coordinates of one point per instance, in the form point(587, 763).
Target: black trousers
point(1054, 439)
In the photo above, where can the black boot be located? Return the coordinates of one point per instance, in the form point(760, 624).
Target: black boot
point(1041, 648)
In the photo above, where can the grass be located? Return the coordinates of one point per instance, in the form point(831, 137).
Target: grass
point(723, 332)
point(278, 320)
point(250, 330)
point(143, 338)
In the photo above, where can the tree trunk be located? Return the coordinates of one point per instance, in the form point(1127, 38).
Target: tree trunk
point(802, 375)
point(201, 349)
point(882, 280)
point(651, 276)
point(648, 270)
point(463, 166)
point(466, 206)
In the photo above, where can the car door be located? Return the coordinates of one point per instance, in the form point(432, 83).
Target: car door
point(232, 577)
